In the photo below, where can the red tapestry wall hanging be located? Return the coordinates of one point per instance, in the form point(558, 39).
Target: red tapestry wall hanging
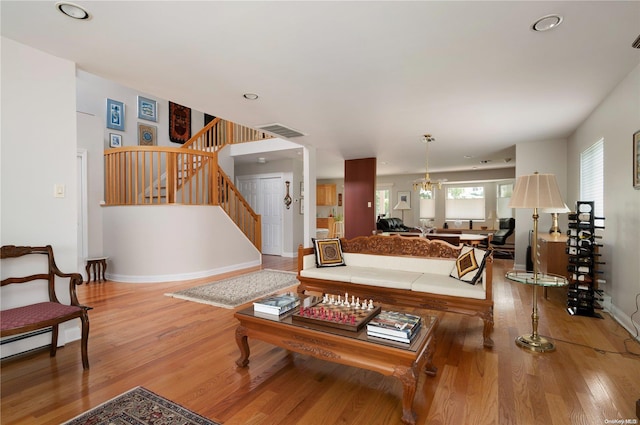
point(179, 123)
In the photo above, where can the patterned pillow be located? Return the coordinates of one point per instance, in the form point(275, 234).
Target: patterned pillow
point(328, 252)
point(469, 265)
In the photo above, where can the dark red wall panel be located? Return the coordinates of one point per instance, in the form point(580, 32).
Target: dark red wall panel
point(359, 197)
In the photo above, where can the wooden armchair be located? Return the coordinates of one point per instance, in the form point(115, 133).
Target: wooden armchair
point(42, 315)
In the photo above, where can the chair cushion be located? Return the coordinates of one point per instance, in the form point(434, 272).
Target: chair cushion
point(328, 252)
point(469, 265)
point(35, 313)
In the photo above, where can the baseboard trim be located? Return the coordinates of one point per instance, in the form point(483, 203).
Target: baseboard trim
point(182, 276)
point(624, 321)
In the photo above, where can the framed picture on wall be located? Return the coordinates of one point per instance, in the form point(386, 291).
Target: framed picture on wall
point(406, 197)
point(147, 109)
point(115, 140)
point(636, 160)
point(115, 115)
point(147, 135)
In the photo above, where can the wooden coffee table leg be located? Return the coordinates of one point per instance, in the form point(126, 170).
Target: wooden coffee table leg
point(243, 345)
point(409, 384)
point(430, 368)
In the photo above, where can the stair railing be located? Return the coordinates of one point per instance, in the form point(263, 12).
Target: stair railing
point(236, 207)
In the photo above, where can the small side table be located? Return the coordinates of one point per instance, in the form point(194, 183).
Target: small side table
point(99, 267)
point(533, 341)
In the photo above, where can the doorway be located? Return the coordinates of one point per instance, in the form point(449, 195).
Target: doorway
point(265, 193)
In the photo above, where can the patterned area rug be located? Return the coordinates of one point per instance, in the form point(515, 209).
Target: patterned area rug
point(230, 293)
point(139, 406)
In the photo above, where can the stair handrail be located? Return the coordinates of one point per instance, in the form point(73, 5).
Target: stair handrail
point(238, 209)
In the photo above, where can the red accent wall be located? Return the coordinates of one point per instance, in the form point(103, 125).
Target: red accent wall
point(359, 193)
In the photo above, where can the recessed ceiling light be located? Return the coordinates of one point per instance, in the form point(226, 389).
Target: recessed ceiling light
point(468, 157)
point(546, 23)
point(72, 10)
point(485, 161)
point(250, 96)
point(262, 160)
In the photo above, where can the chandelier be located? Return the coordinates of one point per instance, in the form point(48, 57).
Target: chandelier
point(426, 184)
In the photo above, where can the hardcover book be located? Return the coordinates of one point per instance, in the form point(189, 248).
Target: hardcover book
point(277, 304)
point(393, 323)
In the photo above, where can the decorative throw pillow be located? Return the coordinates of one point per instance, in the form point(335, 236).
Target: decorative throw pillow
point(328, 252)
point(469, 265)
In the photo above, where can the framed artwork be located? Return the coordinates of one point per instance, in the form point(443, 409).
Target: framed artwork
point(405, 196)
point(115, 140)
point(179, 123)
point(147, 109)
point(115, 115)
point(147, 135)
point(636, 160)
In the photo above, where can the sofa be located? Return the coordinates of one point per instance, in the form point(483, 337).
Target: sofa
point(394, 225)
point(405, 272)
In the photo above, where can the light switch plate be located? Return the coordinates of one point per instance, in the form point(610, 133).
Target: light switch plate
point(58, 190)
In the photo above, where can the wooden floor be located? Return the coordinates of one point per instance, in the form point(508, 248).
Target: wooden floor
point(185, 351)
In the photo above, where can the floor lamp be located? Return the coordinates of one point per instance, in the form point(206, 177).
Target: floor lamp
point(402, 206)
point(536, 191)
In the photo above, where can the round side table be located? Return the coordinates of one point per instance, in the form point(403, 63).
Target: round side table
point(533, 341)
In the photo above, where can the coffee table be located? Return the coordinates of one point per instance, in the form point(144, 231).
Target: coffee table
point(403, 361)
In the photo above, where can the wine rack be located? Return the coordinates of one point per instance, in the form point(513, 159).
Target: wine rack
point(584, 261)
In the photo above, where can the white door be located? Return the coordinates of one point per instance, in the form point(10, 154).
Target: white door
point(270, 207)
point(249, 190)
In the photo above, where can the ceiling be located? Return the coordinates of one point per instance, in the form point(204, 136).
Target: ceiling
point(359, 79)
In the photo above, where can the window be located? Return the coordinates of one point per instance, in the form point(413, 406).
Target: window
point(382, 202)
point(592, 177)
point(465, 203)
point(504, 197)
point(427, 204)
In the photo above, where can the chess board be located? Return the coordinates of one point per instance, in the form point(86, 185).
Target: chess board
point(335, 316)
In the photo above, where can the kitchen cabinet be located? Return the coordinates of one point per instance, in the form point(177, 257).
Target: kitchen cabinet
point(326, 194)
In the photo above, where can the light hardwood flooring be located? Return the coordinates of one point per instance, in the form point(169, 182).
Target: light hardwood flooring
point(186, 352)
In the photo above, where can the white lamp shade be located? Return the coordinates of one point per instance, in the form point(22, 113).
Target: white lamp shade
point(564, 209)
point(536, 191)
point(402, 205)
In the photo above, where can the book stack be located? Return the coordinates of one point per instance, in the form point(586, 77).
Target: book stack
point(395, 326)
point(277, 304)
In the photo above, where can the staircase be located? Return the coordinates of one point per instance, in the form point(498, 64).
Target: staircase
point(189, 175)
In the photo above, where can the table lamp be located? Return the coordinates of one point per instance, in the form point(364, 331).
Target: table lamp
point(555, 229)
point(536, 191)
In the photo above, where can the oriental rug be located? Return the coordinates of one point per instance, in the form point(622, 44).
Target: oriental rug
point(235, 291)
point(139, 406)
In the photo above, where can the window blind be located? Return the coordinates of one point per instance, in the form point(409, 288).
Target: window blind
point(592, 176)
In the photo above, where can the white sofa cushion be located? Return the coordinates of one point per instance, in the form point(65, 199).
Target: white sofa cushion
point(445, 285)
point(410, 264)
point(397, 279)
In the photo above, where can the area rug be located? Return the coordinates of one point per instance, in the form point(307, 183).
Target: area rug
point(139, 406)
point(235, 291)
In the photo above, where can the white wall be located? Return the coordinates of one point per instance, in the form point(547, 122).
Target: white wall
point(615, 120)
point(92, 95)
point(38, 151)
point(208, 245)
point(545, 157)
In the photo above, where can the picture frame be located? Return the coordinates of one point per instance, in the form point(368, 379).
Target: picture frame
point(147, 135)
point(636, 160)
point(147, 109)
point(405, 196)
point(115, 140)
point(179, 123)
point(115, 115)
